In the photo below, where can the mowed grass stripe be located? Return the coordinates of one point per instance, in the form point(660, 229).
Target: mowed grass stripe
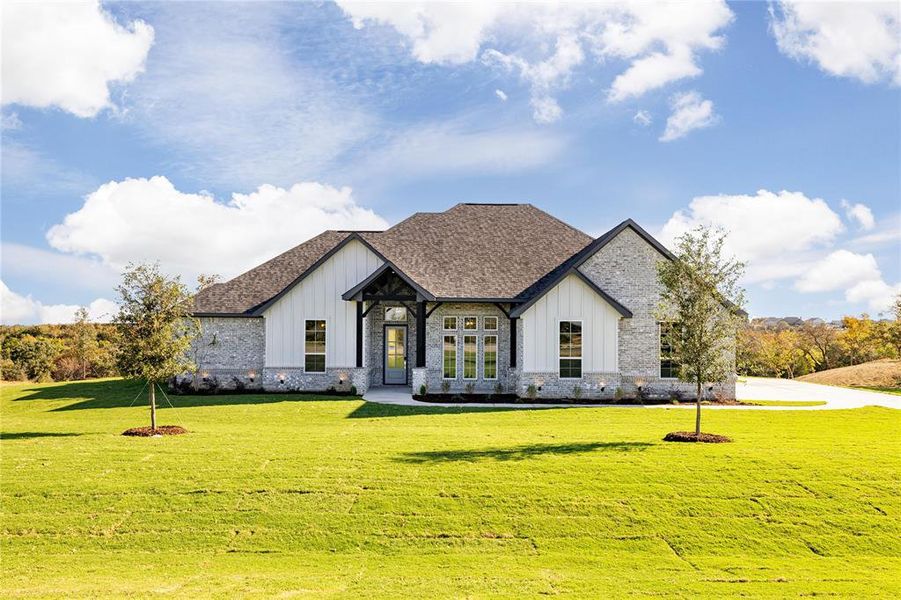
point(318, 496)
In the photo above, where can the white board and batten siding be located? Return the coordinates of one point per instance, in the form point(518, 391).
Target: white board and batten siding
point(319, 297)
point(570, 300)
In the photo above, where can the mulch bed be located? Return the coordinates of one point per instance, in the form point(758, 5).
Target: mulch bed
point(689, 436)
point(161, 430)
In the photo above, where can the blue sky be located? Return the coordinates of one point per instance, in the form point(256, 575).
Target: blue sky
point(213, 136)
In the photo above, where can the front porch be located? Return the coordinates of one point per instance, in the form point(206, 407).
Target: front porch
point(404, 339)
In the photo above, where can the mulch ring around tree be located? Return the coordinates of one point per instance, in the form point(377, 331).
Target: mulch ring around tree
point(161, 430)
point(689, 436)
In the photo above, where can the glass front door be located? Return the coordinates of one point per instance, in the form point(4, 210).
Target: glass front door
point(396, 354)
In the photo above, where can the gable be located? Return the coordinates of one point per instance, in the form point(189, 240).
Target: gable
point(572, 298)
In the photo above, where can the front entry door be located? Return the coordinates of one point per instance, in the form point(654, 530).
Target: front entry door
point(396, 354)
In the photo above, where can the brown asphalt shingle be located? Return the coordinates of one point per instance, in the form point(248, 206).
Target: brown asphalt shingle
point(479, 250)
point(468, 251)
point(250, 289)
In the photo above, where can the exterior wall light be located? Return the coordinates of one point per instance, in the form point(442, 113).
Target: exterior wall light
point(205, 376)
point(281, 378)
point(251, 376)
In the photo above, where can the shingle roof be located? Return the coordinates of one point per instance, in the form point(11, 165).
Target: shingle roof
point(485, 251)
point(248, 290)
point(479, 250)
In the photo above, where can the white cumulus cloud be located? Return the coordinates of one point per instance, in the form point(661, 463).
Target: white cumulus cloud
point(16, 309)
point(67, 54)
point(839, 271)
point(151, 220)
point(878, 294)
point(857, 275)
point(690, 112)
point(861, 40)
point(861, 214)
point(771, 231)
point(546, 43)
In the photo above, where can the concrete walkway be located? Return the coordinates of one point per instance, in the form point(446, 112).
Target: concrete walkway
point(748, 389)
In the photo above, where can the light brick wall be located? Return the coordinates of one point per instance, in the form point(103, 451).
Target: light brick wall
point(374, 341)
point(626, 268)
point(229, 353)
point(435, 341)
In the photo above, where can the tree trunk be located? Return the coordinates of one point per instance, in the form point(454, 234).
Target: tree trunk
point(153, 406)
point(698, 414)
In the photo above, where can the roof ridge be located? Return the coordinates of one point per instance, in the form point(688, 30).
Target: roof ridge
point(289, 250)
point(561, 221)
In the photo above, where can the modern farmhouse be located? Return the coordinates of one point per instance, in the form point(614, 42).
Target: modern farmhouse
point(480, 298)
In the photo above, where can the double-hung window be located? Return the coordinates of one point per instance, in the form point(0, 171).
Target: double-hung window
point(449, 357)
point(470, 352)
point(314, 346)
point(669, 367)
point(570, 349)
point(489, 356)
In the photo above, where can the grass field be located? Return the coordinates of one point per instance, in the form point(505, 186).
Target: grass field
point(278, 495)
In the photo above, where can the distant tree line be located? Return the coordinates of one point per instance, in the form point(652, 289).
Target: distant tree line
point(80, 350)
point(785, 350)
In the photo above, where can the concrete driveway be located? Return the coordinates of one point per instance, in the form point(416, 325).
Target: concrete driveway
point(764, 388)
point(747, 389)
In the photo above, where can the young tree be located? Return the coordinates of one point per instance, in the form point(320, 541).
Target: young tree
point(84, 340)
point(155, 327)
point(701, 296)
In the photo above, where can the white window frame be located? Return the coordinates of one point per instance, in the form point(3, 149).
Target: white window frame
point(471, 317)
point(497, 322)
point(463, 356)
point(324, 353)
point(456, 357)
point(496, 355)
point(581, 356)
point(444, 322)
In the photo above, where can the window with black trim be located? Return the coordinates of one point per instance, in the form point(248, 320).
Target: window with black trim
point(669, 366)
point(314, 346)
point(489, 357)
point(470, 353)
point(490, 323)
point(570, 349)
point(449, 357)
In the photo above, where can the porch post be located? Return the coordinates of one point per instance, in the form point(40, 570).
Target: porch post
point(359, 333)
point(420, 333)
point(513, 321)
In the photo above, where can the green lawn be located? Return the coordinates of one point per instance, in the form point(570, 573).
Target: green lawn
point(273, 495)
point(884, 390)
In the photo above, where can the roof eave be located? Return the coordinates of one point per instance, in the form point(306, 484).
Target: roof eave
point(617, 306)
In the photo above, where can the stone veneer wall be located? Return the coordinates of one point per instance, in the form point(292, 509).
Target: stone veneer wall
point(340, 379)
point(229, 353)
point(374, 336)
point(626, 268)
point(432, 375)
